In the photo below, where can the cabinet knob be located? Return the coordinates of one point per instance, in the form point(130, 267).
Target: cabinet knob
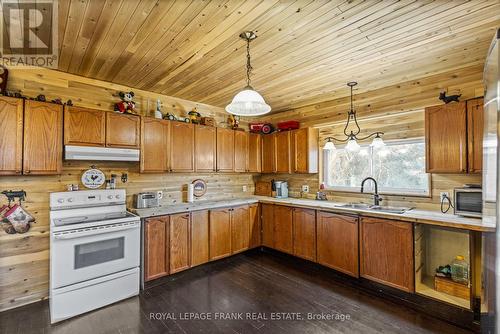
point(18, 171)
point(27, 171)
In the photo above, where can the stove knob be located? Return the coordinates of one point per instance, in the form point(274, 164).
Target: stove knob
point(60, 200)
point(117, 196)
point(70, 199)
point(110, 196)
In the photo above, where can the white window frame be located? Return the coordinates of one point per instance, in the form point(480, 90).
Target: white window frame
point(369, 185)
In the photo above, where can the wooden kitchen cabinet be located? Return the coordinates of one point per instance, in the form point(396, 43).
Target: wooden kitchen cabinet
point(305, 150)
point(205, 148)
point(179, 242)
point(43, 137)
point(446, 138)
point(267, 225)
point(268, 154)
point(240, 151)
point(84, 127)
point(181, 147)
point(156, 247)
point(475, 126)
point(240, 229)
point(283, 229)
point(225, 150)
point(283, 152)
point(386, 253)
point(254, 153)
point(122, 131)
point(199, 237)
point(220, 233)
point(304, 233)
point(254, 226)
point(11, 135)
point(154, 145)
point(337, 238)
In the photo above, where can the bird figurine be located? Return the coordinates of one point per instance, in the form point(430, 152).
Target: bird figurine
point(448, 99)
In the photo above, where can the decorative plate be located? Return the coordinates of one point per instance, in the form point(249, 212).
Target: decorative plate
point(93, 178)
point(200, 187)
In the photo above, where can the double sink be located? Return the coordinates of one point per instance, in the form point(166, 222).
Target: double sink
point(379, 208)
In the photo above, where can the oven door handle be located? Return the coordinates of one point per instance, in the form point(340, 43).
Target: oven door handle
point(89, 232)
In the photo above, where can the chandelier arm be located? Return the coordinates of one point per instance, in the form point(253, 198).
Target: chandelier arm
point(371, 135)
point(249, 66)
point(340, 140)
point(347, 124)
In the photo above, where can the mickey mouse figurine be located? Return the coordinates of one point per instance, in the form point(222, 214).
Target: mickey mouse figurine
point(126, 105)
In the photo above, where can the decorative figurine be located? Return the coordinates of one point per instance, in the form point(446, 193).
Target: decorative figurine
point(448, 99)
point(57, 101)
point(158, 113)
point(194, 116)
point(126, 105)
point(41, 98)
point(69, 103)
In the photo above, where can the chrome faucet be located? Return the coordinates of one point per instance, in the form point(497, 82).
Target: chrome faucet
point(376, 197)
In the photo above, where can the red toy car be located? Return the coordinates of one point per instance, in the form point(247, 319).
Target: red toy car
point(288, 125)
point(264, 128)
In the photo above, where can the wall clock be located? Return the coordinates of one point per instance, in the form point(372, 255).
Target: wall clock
point(93, 178)
point(200, 187)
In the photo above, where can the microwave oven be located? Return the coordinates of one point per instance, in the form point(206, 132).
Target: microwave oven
point(468, 202)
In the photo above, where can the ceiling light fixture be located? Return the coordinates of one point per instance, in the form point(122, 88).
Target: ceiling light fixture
point(248, 102)
point(352, 137)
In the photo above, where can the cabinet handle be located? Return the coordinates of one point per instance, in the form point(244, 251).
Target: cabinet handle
point(27, 171)
point(18, 171)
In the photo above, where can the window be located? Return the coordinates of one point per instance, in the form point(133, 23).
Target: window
point(398, 167)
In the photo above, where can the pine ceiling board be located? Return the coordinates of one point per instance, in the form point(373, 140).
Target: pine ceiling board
point(62, 19)
point(74, 21)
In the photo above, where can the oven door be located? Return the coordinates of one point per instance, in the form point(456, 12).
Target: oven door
point(83, 254)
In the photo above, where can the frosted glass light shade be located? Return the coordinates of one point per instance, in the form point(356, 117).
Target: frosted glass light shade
point(248, 102)
point(329, 146)
point(352, 145)
point(377, 142)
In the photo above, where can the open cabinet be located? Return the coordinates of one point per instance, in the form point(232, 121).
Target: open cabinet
point(438, 246)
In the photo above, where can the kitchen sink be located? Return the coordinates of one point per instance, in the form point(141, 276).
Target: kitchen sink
point(355, 206)
point(379, 208)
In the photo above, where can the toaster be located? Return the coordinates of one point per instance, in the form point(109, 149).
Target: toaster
point(146, 200)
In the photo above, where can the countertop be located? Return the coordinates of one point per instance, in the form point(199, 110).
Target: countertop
point(415, 216)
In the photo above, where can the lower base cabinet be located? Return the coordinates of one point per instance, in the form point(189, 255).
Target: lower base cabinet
point(180, 227)
point(267, 212)
point(255, 226)
point(156, 247)
point(304, 233)
point(283, 229)
point(386, 254)
point(199, 238)
point(337, 239)
point(240, 229)
point(220, 233)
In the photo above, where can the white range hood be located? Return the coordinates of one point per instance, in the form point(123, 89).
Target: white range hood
point(100, 153)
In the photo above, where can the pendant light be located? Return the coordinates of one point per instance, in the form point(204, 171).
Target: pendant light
point(248, 102)
point(352, 137)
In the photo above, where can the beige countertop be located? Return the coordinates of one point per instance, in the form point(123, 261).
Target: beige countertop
point(416, 216)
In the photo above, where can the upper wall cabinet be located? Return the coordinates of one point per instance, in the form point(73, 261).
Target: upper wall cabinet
point(268, 154)
point(225, 150)
point(475, 125)
point(11, 136)
point(84, 127)
point(205, 148)
point(254, 152)
point(446, 138)
point(181, 147)
point(154, 145)
point(305, 150)
point(122, 130)
point(42, 138)
point(283, 152)
point(240, 151)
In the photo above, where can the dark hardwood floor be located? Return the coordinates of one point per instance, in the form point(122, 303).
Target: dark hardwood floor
point(251, 284)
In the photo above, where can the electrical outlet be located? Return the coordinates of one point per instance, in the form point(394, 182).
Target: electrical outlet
point(443, 195)
point(160, 194)
point(244, 189)
point(305, 188)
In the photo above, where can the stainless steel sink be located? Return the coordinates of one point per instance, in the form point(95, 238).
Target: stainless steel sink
point(362, 206)
point(379, 208)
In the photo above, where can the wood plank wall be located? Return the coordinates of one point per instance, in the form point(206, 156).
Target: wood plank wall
point(24, 258)
point(398, 111)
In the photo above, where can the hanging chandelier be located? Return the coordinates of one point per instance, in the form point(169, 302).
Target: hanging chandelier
point(248, 102)
point(352, 137)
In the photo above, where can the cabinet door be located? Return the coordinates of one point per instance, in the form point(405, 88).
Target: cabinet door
point(255, 226)
point(337, 239)
point(225, 150)
point(240, 151)
point(282, 150)
point(475, 125)
point(179, 242)
point(305, 150)
point(386, 254)
point(283, 229)
point(445, 135)
point(240, 229)
point(254, 153)
point(11, 135)
point(156, 247)
point(199, 237)
point(268, 154)
point(220, 233)
point(181, 147)
point(84, 127)
point(205, 148)
point(42, 138)
point(267, 225)
point(122, 130)
point(154, 145)
point(304, 233)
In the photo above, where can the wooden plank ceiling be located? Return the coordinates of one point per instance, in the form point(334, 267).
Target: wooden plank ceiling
point(305, 52)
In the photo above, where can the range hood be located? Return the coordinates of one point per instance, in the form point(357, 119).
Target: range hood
point(100, 153)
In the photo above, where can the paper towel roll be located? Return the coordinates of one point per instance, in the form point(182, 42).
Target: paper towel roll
point(190, 194)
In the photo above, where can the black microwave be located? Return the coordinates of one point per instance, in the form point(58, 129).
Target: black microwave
point(468, 202)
